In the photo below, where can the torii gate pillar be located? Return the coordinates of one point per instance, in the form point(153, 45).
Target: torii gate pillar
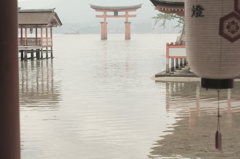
point(104, 30)
point(115, 10)
point(9, 85)
point(127, 30)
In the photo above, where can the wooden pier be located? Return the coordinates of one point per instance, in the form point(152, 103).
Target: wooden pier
point(35, 52)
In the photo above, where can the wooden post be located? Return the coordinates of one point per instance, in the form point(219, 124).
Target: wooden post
point(167, 65)
point(185, 62)
point(46, 52)
point(32, 54)
point(21, 55)
point(9, 83)
point(21, 29)
point(127, 30)
point(41, 36)
point(25, 55)
point(41, 53)
point(47, 35)
point(103, 31)
point(51, 52)
point(176, 63)
point(47, 42)
point(51, 36)
point(51, 42)
point(25, 44)
point(172, 64)
point(181, 62)
point(36, 36)
point(37, 54)
point(106, 30)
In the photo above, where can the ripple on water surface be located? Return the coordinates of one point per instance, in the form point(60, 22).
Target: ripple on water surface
point(95, 99)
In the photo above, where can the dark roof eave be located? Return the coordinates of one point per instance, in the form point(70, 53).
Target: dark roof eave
point(37, 10)
point(33, 25)
point(115, 7)
point(167, 4)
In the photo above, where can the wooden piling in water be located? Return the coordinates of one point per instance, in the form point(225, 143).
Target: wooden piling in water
point(181, 63)
point(51, 52)
point(172, 64)
point(176, 64)
point(25, 55)
point(167, 65)
point(42, 53)
point(185, 62)
point(37, 54)
point(32, 55)
point(46, 52)
point(21, 55)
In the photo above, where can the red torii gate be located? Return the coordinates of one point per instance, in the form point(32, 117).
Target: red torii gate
point(115, 10)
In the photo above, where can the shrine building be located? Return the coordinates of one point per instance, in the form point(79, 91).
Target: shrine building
point(175, 51)
point(169, 6)
point(35, 32)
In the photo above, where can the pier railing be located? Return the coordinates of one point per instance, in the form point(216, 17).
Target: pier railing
point(45, 42)
point(176, 53)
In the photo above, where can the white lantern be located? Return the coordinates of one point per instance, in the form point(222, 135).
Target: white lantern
point(213, 40)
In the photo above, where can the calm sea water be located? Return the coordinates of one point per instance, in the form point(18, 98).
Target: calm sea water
point(95, 100)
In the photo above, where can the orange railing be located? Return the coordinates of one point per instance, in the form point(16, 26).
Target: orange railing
point(35, 42)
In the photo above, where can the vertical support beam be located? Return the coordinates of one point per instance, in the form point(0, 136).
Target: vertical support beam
point(51, 36)
point(41, 36)
point(51, 42)
point(9, 84)
point(51, 52)
point(181, 63)
point(21, 55)
point(167, 65)
point(47, 35)
point(229, 100)
point(103, 30)
point(172, 64)
point(127, 30)
point(185, 62)
point(46, 52)
point(32, 54)
point(37, 54)
point(167, 58)
point(47, 42)
point(36, 36)
point(25, 55)
point(25, 44)
point(41, 53)
point(176, 63)
point(126, 16)
point(21, 30)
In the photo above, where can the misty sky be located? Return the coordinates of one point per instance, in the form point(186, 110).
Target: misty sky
point(79, 11)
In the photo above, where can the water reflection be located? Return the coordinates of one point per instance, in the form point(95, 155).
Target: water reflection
point(38, 90)
point(192, 136)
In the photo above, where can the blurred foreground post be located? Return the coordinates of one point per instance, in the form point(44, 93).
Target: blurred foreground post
point(9, 86)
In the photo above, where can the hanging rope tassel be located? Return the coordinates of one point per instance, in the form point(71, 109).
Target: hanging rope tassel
point(218, 135)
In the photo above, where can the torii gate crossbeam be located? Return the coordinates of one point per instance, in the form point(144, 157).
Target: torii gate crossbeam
point(115, 10)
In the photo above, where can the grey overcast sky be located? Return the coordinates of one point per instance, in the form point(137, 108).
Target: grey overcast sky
point(79, 11)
